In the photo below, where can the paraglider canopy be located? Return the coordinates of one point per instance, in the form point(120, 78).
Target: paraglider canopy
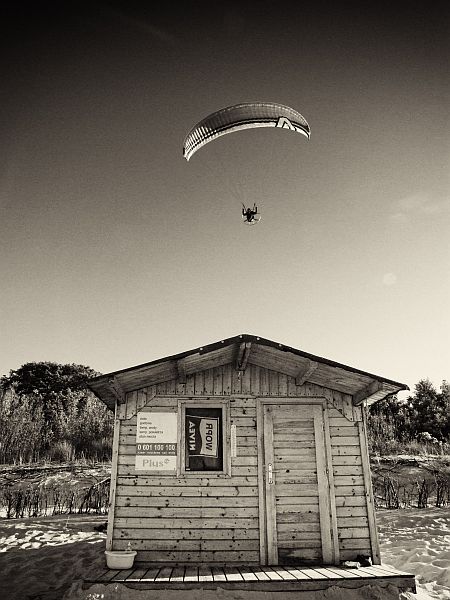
point(243, 116)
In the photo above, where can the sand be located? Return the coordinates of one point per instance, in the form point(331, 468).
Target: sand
point(46, 558)
point(418, 541)
point(41, 557)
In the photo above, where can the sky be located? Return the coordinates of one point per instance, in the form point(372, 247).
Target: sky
point(115, 251)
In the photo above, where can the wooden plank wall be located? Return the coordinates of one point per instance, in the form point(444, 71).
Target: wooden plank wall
point(209, 519)
point(296, 487)
point(215, 519)
point(225, 381)
point(351, 504)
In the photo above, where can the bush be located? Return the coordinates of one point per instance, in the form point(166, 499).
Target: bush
point(48, 413)
point(418, 425)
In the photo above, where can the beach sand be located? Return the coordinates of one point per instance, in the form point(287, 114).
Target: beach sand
point(41, 557)
point(46, 559)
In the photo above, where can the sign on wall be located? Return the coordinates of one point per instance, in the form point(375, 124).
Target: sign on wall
point(156, 441)
point(203, 435)
point(203, 439)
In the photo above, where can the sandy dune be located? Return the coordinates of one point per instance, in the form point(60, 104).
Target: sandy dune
point(41, 558)
point(418, 541)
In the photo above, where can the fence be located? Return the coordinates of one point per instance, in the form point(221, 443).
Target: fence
point(32, 501)
point(391, 492)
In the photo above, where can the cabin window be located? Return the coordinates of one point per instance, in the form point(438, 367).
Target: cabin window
point(205, 437)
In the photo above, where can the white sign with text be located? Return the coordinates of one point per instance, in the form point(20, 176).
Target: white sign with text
point(156, 441)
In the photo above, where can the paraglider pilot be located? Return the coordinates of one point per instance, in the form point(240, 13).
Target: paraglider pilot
point(249, 213)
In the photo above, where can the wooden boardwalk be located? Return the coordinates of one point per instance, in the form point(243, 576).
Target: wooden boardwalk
point(255, 577)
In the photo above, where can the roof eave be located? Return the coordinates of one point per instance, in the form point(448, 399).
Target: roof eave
point(107, 387)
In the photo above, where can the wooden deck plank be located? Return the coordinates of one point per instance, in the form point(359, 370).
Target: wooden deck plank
point(218, 574)
point(260, 574)
point(342, 573)
point(232, 574)
point(137, 574)
point(298, 574)
point(164, 574)
point(378, 572)
point(329, 574)
point(313, 574)
point(122, 575)
point(205, 574)
point(191, 574)
point(247, 574)
point(150, 574)
point(392, 569)
point(284, 573)
point(177, 574)
point(370, 572)
point(108, 575)
point(277, 578)
point(382, 572)
point(359, 572)
point(271, 573)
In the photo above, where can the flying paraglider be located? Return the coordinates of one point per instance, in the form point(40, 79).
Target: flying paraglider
point(250, 216)
point(243, 116)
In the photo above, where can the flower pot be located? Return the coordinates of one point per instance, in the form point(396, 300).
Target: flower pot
point(120, 559)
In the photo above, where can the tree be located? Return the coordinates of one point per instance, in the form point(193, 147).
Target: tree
point(72, 421)
point(430, 409)
point(444, 408)
point(46, 377)
point(423, 406)
point(425, 415)
point(388, 425)
point(50, 384)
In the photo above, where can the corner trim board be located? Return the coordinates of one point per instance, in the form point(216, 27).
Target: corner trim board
point(112, 490)
point(370, 503)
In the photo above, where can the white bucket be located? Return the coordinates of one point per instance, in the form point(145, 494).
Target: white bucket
point(120, 559)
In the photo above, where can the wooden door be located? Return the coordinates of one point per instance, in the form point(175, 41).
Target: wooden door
point(297, 490)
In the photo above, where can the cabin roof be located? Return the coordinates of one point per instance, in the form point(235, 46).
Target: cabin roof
point(243, 350)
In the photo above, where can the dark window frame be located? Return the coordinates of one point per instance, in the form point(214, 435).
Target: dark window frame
point(204, 403)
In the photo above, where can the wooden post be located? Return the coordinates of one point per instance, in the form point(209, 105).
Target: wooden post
point(272, 543)
point(329, 463)
point(323, 487)
point(261, 482)
point(112, 489)
point(371, 517)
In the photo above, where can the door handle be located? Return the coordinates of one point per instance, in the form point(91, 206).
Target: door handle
point(270, 473)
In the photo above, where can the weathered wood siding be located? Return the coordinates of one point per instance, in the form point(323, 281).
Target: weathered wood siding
point(296, 488)
point(350, 493)
point(210, 518)
point(214, 519)
point(225, 381)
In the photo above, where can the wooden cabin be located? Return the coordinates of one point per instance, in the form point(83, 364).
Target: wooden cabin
point(244, 451)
